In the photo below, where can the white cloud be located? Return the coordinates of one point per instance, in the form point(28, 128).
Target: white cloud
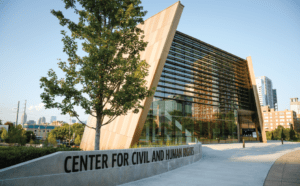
point(37, 107)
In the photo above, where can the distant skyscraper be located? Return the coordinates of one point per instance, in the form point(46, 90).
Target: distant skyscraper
point(53, 118)
point(24, 116)
point(16, 123)
point(275, 100)
point(23, 119)
point(295, 105)
point(42, 120)
point(265, 91)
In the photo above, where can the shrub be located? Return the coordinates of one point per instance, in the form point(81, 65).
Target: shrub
point(134, 146)
point(161, 143)
point(281, 132)
point(168, 143)
point(13, 155)
point(78, 140)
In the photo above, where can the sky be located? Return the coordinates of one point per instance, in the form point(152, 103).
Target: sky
point(30, 44)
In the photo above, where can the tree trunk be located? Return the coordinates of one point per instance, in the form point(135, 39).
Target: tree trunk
point(97, 136)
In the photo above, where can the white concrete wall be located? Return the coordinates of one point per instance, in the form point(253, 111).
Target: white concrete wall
point(51, 169)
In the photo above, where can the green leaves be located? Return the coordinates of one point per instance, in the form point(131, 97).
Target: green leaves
point(112, 75)
point(4, 134)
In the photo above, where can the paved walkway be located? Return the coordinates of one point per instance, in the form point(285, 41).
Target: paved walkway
point(225, 164)
point(285, 170)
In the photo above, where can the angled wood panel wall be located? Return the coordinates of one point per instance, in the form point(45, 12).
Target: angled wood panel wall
point(254, 87)
point(159, 31)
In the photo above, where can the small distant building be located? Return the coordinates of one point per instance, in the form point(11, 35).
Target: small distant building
point(297, 123)
point(295, 105)
point(30, 122)
point(73, 121)
point(272, 119)
point(57, 123)
point(53, 118)
point(275, 100)
point(40, 130)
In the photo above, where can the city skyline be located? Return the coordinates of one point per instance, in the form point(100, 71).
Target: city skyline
point(241, 28)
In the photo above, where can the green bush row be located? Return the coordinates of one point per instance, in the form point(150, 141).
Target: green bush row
point(285, 133)
point(13, 155)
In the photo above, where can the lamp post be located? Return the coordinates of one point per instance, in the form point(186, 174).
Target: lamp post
point(39, 130)
point(39, 134)
point(46, 131)
point(70, 133)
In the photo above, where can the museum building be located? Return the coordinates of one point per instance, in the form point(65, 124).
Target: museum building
point(203, 93)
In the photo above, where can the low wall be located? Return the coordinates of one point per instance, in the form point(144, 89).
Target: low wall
point(103, 167)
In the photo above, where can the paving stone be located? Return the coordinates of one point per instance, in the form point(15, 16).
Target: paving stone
point(227, 165)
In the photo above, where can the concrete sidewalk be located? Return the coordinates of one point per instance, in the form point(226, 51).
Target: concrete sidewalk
point(285, 170)
point(225, 164)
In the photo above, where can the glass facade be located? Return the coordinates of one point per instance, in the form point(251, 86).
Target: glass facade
point(198, 96)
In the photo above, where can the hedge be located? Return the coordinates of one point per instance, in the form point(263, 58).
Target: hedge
point(14, 155)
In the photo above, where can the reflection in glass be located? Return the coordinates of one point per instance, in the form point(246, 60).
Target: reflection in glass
point(200, 92)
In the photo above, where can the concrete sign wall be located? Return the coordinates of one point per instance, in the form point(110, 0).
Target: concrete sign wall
point(104, 167)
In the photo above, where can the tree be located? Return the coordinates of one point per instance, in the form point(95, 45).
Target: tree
point(0, 122)
point(10, 124)
point(17, 135)
point(31, 142)
point(4, 134)
point(112, 76)
point(46, 142)
point(282, 133)
point(62, 132)
point(52, 139)
point(30, 135)
point(78, 140)
point(292, 134)
point(78, 129)
point(55, 133)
